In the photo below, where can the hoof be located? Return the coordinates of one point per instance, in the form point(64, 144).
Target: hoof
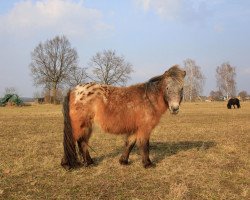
point(89, 162)
point(67, 166)
point(149, 165)
point(122, 161)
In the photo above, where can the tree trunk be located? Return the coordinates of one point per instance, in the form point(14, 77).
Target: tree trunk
point(54, 93)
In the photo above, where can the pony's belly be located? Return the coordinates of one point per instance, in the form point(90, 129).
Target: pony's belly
point(114, 127)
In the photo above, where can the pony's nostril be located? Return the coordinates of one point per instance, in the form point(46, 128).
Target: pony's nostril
point(175, 109)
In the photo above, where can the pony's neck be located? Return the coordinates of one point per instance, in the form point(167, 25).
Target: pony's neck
point(154, 93)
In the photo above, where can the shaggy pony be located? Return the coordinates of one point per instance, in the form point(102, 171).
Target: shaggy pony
point(133, 111)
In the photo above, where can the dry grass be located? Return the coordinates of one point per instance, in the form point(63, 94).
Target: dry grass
point(202, 153)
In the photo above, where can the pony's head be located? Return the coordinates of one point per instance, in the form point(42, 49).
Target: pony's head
point(172, 82)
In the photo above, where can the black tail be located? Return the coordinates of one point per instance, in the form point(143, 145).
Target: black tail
point(70, 156)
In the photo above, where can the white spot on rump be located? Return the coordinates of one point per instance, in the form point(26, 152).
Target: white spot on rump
point(84, 93)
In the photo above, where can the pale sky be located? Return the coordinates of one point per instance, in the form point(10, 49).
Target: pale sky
point(152, 35)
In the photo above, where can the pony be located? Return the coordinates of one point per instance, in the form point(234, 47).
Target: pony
point(133, 111)
point(233, 102)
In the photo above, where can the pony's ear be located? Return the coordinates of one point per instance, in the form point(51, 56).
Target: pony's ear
point(155, 79)
point(184, 73)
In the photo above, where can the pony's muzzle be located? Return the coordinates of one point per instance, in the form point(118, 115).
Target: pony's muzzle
point(174, 109)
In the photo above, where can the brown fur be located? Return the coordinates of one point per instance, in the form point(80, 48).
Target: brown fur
point(133, 111)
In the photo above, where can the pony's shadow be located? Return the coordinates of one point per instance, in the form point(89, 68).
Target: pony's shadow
point(114, 153)
point(161, 150)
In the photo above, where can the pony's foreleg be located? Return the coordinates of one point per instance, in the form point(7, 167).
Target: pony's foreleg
point(143, 144)
point(129, 144)
point(83, 146)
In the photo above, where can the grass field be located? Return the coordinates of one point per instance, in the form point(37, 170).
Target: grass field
point(201, 153)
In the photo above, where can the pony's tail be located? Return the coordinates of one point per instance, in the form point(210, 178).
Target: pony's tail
point(70, 156)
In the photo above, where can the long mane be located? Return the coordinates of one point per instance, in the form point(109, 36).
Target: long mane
point(176, 74)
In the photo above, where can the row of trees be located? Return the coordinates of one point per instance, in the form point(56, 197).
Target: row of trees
point(225, 78)
point(54, 64)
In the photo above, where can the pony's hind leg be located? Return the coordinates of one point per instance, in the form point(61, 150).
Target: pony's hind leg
point(129, 144)
point(83, 146)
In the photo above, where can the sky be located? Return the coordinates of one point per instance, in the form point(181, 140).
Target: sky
point(152, 35)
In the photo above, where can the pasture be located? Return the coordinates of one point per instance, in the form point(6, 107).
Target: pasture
point(201, 153)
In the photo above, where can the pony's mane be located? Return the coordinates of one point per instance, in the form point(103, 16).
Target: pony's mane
point(176, 73)
point(151, 86)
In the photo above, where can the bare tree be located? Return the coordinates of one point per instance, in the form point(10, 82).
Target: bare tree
point(243, 95)
point(52, 62)
point(10, 90)
point(194, 81)
point(110, 69)
point(77, 76)
point(225, 75)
